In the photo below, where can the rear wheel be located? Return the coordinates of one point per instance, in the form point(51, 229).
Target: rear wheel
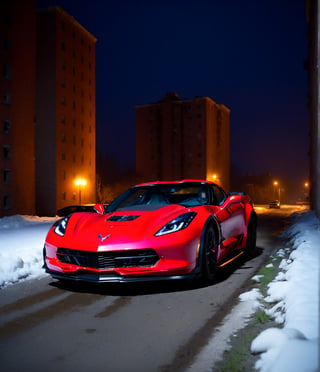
point(209, 256)
point(251, 246)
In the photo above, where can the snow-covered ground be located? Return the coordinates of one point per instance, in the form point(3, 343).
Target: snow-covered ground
point(294, 294)
point(21, 244)
point(292, 300)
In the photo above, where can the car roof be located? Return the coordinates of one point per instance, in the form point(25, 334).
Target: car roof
point(176, 182)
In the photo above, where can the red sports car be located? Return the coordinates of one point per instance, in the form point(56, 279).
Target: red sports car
point(158, 230)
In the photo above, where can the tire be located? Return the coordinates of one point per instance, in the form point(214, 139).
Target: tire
point(44, 258)
point(209, 253)
point(251, 245)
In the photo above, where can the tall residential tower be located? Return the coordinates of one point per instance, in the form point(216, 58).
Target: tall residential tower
point(17, 106)
point(65, 140)
point(181, 139)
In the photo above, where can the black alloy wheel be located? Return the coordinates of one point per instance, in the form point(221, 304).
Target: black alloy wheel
point(251, 246)
point(209, 256)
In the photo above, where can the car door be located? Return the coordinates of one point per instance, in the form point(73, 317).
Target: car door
point(230, 213)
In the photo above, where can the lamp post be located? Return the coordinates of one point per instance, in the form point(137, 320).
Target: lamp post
point(275, 184)
point(306, 191)
point(80, 182)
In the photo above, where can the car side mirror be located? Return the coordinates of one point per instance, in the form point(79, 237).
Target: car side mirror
point(99, 208)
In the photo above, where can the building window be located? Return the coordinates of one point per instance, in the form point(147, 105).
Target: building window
point(74, 123)
point(63, 46)
point(63, 64)
point(7, 176)
point(63, 156)
point(63, 26)
point(63, 137)
point(6, 126)
point(64, 195)
point(7, 20)
point(7, 152)
point(63, 119)
point(6, 45)
point(63, 83)
point(7, 98)
point(63, 100)
point(6, 71)
point(74, 140)
point(7, 202)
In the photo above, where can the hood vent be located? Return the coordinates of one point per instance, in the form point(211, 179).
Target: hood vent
point(122, 218)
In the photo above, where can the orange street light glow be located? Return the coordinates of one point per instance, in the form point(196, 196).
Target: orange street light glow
point(80, 182)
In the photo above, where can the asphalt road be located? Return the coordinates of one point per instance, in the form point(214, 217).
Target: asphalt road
point(146, 327)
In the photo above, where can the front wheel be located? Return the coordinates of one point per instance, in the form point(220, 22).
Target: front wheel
point(209, 256)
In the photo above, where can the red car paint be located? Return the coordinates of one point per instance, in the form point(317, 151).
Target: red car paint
point(135, 238)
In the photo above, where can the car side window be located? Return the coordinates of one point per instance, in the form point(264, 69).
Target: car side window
point(219, 195)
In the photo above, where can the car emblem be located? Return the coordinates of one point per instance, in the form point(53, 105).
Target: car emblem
point(102, 238)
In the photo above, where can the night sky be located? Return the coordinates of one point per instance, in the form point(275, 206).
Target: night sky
point(247, 55)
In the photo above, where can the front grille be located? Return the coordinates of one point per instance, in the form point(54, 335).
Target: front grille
point(108, 260)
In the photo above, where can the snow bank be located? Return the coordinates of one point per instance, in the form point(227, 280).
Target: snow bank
point(294, 294)
point(21, 243)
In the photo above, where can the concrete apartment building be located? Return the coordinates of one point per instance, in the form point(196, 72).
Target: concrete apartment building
point(47, 110)
point(183, 139)
point(65, 171)
point(17, 106)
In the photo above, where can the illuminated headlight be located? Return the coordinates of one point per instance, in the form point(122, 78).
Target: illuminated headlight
point(61, 226)
point(177, 224)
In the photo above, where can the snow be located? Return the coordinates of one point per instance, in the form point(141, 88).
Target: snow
point(21, 244)
point(292, 298)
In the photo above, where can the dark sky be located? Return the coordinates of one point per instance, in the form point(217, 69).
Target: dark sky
point(248, 55)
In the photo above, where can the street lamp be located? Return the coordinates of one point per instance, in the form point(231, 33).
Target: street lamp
point(275, 184)
point(80, 182)
point(306, 191)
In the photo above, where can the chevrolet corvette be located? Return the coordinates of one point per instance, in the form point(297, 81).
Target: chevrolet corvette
point(153, 231)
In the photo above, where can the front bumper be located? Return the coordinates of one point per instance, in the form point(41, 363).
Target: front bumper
point(114, 278)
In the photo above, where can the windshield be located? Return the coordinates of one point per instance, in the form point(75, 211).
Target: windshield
point(188, 194)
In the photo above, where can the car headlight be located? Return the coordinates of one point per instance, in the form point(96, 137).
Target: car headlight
point(177, 224)
point(61, 226)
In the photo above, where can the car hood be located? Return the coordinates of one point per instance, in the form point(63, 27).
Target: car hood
point(91, 231)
